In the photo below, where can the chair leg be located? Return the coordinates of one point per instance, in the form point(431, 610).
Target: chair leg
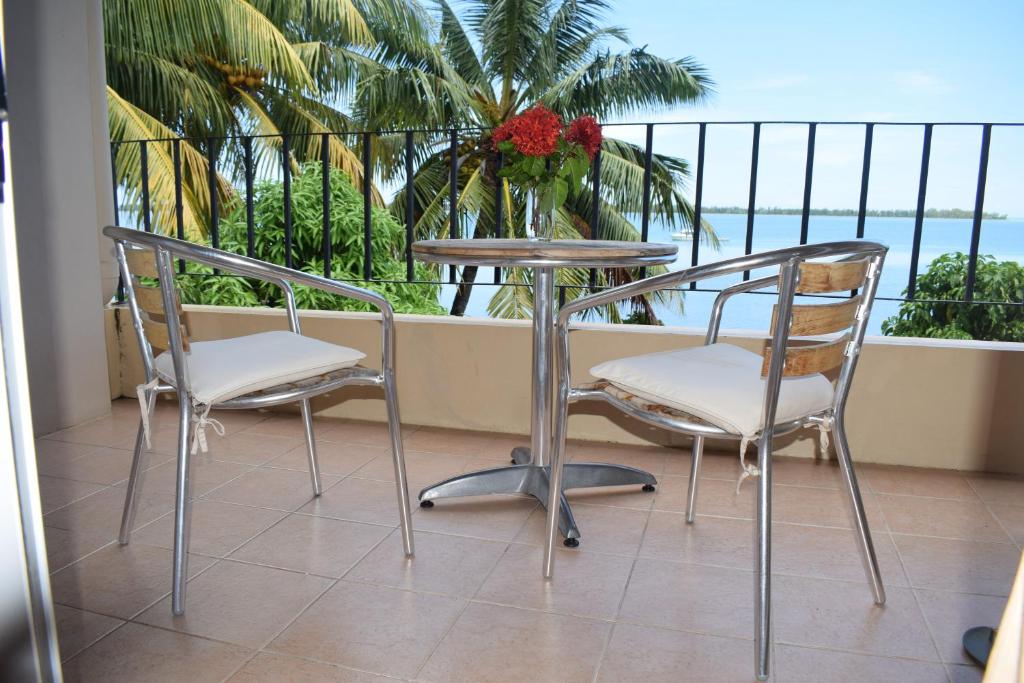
point(398, 455)
point(763, 566)
point(182, 508)
point(691, 494)
point(314, 463)
point(555, 497)
point(867, 547)
point(130, 495)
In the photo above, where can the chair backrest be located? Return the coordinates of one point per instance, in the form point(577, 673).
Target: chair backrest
point(856, 272)
point(147, 301)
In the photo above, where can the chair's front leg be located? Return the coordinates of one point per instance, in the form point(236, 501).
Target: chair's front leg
point(398, 456)
point(867, 547)
point(691, 494)
point(182, 507)
point(763, 561)
point(132, 490)
point(555, 497)
point(314, 464)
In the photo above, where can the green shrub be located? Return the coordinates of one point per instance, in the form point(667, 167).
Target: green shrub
point(946, 280)
point(387, 237)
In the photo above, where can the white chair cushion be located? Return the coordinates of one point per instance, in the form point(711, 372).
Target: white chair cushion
point(226, 368)
point(720, 383)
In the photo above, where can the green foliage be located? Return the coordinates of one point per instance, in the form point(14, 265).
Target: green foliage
point(946, 280)
point(346, 215)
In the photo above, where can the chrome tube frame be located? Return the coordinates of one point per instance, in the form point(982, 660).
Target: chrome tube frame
point(788, 262)
point(166, 250)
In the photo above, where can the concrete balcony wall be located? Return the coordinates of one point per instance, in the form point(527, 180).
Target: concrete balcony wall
point(914, 402)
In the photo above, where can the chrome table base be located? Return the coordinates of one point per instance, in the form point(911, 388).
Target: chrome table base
point(526, 478)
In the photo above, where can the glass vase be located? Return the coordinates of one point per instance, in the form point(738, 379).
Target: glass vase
point(541, 225)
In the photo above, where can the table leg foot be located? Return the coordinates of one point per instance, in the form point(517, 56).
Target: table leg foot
point(521, 455)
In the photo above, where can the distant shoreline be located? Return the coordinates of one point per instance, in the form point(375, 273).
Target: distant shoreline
point(873, 213)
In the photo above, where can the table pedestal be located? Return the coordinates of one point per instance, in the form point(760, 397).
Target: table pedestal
point(531, 471)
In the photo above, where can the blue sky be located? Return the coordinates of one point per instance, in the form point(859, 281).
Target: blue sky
point(845, 61)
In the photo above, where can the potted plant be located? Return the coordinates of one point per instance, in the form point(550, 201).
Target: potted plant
point(546, 158)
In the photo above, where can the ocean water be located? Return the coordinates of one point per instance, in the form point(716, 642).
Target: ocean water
point(1003, 239)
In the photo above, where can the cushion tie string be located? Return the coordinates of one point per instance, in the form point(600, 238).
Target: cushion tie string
point(749, 469)
point(823, 429)
point(142, 391)
point(203, 420)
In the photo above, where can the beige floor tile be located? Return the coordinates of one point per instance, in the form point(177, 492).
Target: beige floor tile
point(806, 665)
point(252, 448)
point(238, 420)
point(334, 458)
point(239, 603)
point(52, 456)
point(808, 472)
point(289, 425)
point(1012, 519)
point(135, 653)
point(490, 643)
point(361, 431)
point(56, 492)
point(422, 469)
point(584, 584)
point(118, 580)
point(270, 488)
point(652, 460)
point(205, 474)
point(496, 518)
point(371, 628)
point(1006, 489)
point(652, 655)
point(602, 529)
point(709, 540)
point(916, 481)
point(964, 674)
point(103, 431)
point(217, 528)
point(471, 444)
point(690, 597)
point(359, 500)
point(821, 507)
point(103, 466)
point(950, 614)
point(78, 629)
point(968, 520)
point(713, 464)
point(100, 514)
point(714, 497)
point(318, 545)
point(271, 668)
point(454, 565)
point(962, 566)
point(820, 613)
point(832, 554)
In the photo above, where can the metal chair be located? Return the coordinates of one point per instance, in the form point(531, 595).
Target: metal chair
point(722, 391)
point(253, 371)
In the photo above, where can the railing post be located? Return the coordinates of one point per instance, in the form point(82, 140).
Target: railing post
point(453, 196)
point(250, 223)
point(865, 175)
point(410, 199)
point(922, 191)
point(755, 146)
point(979, 209)
point(595, 211)
point(144, 179)
point(286, 187)
point(367, 215)
point(698, 197)
point(645, 218)
point(179, 208)
point(325, 192)
point(805, 214)
point(499, 207)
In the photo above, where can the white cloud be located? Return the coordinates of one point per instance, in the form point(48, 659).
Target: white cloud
point(921, 81)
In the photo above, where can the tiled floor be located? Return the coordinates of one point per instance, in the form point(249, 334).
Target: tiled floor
point(286, 588)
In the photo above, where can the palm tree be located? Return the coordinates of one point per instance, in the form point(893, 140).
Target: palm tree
point(499, 58)
point(191, 74)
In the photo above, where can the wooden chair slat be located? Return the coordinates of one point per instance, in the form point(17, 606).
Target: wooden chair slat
point(149, 299)
point(837, 276)
point(141, 262)
point(811, 358)
point(159, 335)
point(811, 319)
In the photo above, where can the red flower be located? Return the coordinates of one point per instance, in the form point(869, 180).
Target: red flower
point(535, 132)
point(585, 131)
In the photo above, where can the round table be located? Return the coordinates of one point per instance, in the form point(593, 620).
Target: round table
point(530, 471)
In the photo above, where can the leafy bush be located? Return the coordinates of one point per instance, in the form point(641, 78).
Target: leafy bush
point(946, 280)
point(387, 238)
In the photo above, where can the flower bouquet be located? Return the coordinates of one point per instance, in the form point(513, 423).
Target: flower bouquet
point(546, 158)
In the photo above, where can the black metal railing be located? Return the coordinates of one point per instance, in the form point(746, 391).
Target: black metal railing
point(363, 141)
